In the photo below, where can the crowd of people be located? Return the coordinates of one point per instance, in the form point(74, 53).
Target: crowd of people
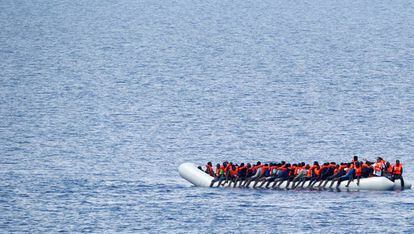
point(324, 175)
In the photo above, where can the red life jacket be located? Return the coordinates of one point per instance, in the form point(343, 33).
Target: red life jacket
point(291, 170)
point(336, 170)
point(228, 168)
point(297, 169)
point(397, 169)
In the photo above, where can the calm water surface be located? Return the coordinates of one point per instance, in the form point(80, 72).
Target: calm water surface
point(100, 101)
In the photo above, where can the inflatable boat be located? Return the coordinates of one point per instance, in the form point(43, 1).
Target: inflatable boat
point(191, 173)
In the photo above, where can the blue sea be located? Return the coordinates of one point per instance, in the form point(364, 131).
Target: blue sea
point(101, 101)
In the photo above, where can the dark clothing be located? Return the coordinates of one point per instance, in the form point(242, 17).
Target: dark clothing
point(398, 177)
point(366, 171)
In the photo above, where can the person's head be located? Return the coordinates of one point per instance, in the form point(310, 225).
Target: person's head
point(355, 158)
point(225, 164)
point(283, 162)
point(249, 165)
point(209, 163)
point(242, 164)
point(266, 164)
point(357, 164)
point(302, 164)
point(348, 165)
point(258, 163)
point(387, 164)
point(315, 163)
point(307, 166)
point(287, 165)
point(218, 165)
point(333, 163)
point(397, 162)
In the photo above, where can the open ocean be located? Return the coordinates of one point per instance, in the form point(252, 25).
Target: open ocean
point(101, 101)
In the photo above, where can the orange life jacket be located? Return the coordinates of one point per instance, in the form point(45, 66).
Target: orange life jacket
point(342, 167)
point(297, 169)
point(233, 172)
point(309, 172)
point(397, 169)
point(352, 164)
point(317, 171)
point(358, 171)
point(378, 166)
point(209, 170)
point(389, 169)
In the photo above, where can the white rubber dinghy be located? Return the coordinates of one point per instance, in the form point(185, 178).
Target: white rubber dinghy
point(192, 174)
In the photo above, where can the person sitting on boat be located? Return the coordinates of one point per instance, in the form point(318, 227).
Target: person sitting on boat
point(283, 175)
point(302, 175)
point(309, 175)
point(265, 173)
point(209, 169)
point(379, 167)
point(219, 175)
point(326, 171)
point(357, 174)
point(232, 174)
point(388, 170)
point(315, 169)
point(300, 172)
point(397, 171)
point(338, 173)
point(274, 174)
point(293, 172)
point(350, 171)
point(367, 170)
point(269, 175)
point(227, 167)
point(241, 173)
point(257, 174)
